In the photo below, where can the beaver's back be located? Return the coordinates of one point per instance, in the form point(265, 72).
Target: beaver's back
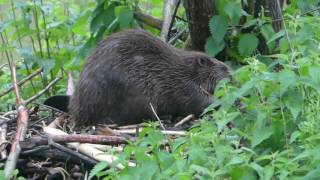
point(131, 70)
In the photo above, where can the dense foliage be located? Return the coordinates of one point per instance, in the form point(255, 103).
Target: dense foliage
point(276, 134)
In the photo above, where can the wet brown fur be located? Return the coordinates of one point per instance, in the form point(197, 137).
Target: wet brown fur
point(131, 69)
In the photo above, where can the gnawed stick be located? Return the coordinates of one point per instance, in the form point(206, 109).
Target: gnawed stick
point(81, 138)
point(22, 124)
point(184, 120)
point(23, 81)
point(70, 85)
point(87, 149)
point(3, 140)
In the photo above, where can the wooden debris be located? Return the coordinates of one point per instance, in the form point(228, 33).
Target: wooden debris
point(184, 120)
point(22, 121)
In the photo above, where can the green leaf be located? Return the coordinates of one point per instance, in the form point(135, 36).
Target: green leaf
point(218, 27)
point(102, 17)
point(226, 119)
point(247, 44)
point(234, 11)
point(125, 16)
point(46, 64)
point(260, 135)
point(314, 72)
point(294, 136)
point(276, 36)
point(314, 174)
point(287, 78)
point(201, 170)
point(213, 47)
point(80, 25)
point(294, 102)
point(268, 32)
point(250, 23)
point(97, 168)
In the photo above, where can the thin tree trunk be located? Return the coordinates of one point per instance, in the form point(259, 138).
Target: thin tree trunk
point(198, 15)
point(275, 14)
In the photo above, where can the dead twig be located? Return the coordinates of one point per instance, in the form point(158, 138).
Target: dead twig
point(87, 149)
point(155, 113)
point(57, 154)
point(174, 39)
point(22, 124)
point(3, 65)
point(3, 140)
point(184, 120)
point(40, 93)
point(82, 157)
point(23, 81)
point(70, 85)
point(148, 20)
point(169, 10)
point(81, 138)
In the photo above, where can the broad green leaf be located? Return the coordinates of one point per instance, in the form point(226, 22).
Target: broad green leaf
point(201, 170)
point(226, 119)
point(268, 32)
point(125, 16)
point(213, 47)
point(247, 44)
point(260, 135)
point(294, 136)
point(218, 27)
point(80, 26)
point(314, 72)
point(250, 23)
point(276, 36)
point(314, 174)
point(234, 11)
point(294, 102)
point(287, 78)
point(242, 173)
point(97, 168)
point(102, 17)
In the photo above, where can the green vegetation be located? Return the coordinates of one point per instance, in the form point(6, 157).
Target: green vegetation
point(277, 122)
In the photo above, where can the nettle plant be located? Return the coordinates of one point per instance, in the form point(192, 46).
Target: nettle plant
point(277, 131)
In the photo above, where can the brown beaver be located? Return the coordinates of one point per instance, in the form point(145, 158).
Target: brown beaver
point(132, 70)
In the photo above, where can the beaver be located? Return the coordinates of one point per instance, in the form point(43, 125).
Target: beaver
point(132, 75)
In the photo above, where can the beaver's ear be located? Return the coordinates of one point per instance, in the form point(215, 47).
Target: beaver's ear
point(202, 61)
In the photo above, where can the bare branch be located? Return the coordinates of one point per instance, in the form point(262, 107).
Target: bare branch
point(81, 138)
point(169, 10)
point(184, 120)
point(155, 114)
point(22, 124)
point(43, 91)
point(23, 81)
point(3, 65)
point(149, 20)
